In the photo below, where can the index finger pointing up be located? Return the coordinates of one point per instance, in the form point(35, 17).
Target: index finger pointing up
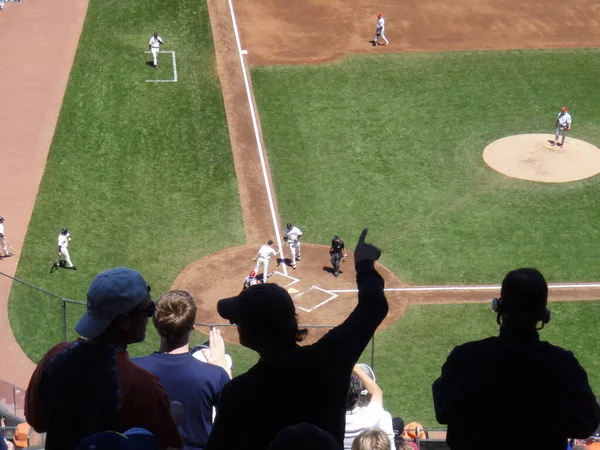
point(363, 235)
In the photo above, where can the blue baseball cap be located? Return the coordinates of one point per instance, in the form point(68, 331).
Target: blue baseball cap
point(110, 294)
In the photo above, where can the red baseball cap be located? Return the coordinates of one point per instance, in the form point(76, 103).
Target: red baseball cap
point(564, 109)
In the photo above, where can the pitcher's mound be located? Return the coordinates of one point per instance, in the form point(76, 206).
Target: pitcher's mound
point(533, 157)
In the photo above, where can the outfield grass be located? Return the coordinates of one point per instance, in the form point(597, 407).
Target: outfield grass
point(141, 173)
point(395, 142)
point(410, 354)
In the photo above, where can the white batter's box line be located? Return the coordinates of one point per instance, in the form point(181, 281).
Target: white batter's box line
point(324, 302)
point(471, 288)
point(294, 280)
point(174, 80)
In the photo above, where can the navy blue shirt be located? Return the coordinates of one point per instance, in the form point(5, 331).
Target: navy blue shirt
point(195, 384)
point(2, 442)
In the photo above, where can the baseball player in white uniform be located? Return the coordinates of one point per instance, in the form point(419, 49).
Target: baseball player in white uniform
point(262, 258)
point(3, 238)
point(154, 46)
point(563, 124)
point(292, 237)
point(63, 242)
point(380, 30)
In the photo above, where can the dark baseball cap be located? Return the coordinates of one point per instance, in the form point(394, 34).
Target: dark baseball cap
point(263, 304)
point(524, 293)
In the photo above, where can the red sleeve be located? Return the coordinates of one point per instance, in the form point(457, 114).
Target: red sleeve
point(34, 407)
point(145, 403)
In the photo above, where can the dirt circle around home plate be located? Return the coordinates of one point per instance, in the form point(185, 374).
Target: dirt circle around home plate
point(535, 157)
point(316, 292)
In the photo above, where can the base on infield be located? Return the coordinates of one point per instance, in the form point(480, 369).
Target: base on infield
point(532, 157)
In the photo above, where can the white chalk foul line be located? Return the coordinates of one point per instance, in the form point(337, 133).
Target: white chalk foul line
point(294, 280)
point(470, 288)
point(241, 54)
point(174, 80)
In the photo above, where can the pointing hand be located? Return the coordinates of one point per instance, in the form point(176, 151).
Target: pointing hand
point(364, 250)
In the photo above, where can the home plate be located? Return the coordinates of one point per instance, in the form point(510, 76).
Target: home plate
point(293, 290)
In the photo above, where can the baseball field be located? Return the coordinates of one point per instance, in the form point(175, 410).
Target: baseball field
point(165, 177)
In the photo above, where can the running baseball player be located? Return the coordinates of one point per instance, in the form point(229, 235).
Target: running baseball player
point(338, 253)
point(292, 236)
point(154, 46)
point(262, 258)
point(63, 242)
point(380, 30)
point(3, 239)
point(563, 124)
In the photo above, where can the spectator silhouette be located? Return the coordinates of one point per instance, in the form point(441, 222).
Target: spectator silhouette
point(195, 384)
point(90, 385)
point(304, 436)
point(364, 415)
point(291, 384)
point(515, 391)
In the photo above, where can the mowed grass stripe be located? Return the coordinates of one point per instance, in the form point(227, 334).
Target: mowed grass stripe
point(395, 142)
point(141, 173)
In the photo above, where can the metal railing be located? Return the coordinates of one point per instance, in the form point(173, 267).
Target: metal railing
point(63, 301)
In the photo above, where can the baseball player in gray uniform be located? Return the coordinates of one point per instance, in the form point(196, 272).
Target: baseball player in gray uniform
point(563, 124)
point(292, 236)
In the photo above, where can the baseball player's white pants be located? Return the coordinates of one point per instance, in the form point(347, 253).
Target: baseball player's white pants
point(294, 249)
point(265, 263)
point(560, 130)
point(65, 253)
point(155, 55)
point(382, 35)
point(4, 249)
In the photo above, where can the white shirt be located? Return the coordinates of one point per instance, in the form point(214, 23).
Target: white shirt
point(380, 23)
point(63, 241)
point(363, 417)
point(293, 234)
point(1, 226)
point(250, 281)
point(155, 41)
point(266, 251)
point(564, 119)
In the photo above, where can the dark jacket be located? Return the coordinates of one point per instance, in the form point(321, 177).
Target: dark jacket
point(514, 391)
point(310, 385)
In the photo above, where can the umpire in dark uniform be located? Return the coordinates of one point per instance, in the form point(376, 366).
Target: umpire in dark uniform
point(337, 252)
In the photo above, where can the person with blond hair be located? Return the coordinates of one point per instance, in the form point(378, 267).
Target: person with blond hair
point(372, 439)
point(193, 383)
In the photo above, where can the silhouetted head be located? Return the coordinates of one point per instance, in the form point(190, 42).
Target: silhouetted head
point(523, 299)
point(265, 316)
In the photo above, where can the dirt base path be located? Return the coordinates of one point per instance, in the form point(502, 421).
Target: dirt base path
point(284, 32)
point(38, 39)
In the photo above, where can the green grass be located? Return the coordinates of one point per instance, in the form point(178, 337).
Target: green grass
point(141, 173)
point(409, 355)
point(395, 142)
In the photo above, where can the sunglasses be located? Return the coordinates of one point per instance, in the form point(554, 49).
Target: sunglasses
point(150, 310)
